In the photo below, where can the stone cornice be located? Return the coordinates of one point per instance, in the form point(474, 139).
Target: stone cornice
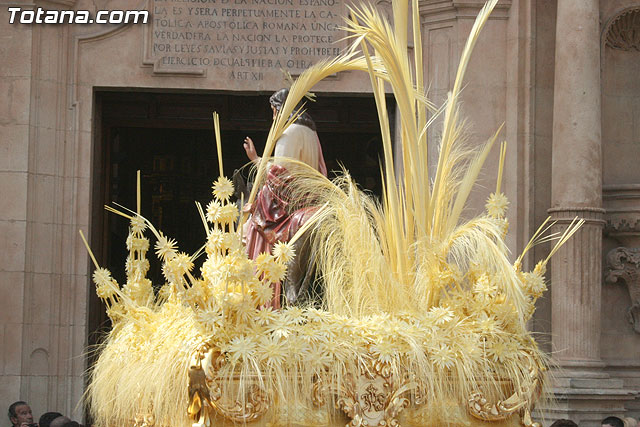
point(618, 191)
point(446, 10)
point(622, 212)
point(622, 226)
point(65, 3)
point(576, 209)
point(566, 214)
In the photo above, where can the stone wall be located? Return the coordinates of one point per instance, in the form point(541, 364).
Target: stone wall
point(14, 168)
point(621, 192)
point(44, 335)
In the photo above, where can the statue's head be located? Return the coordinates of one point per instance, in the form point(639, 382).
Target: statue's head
point(277, 101)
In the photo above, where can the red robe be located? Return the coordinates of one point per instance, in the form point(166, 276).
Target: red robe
point(271, 221)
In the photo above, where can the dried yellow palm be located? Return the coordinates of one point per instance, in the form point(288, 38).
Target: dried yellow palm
point(416, 221)
point(407, 282)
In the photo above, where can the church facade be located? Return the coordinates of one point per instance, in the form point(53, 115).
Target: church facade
point(86, 104)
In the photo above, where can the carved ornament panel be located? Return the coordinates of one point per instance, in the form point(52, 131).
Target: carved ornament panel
point(623, 266)
point(624, 31)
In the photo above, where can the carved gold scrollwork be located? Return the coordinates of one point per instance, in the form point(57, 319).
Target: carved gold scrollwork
point(253, 408)
point(146, 420)
point(199, 395)
point(482, 409)
point(419, 397)
point(521, 401)
point(397, 402)
point(205, 394)
point(375, 397)
point(319, 391)
point(527, 421)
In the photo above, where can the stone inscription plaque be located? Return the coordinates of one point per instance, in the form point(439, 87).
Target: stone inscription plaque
point(246, 40)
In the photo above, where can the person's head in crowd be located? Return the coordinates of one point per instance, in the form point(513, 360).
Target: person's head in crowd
point(60, 422)
point(564, 423)
point(46, 418)
point(72, 424)
point(612, 422)
point(20, 414)
point(53, 419)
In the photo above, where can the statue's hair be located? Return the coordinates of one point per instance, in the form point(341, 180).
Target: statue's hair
point(277, 101)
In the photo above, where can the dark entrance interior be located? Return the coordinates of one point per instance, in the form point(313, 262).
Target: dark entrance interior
point(169, 137)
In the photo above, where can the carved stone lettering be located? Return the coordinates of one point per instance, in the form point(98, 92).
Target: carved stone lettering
point(623, 265)
point(245, 39)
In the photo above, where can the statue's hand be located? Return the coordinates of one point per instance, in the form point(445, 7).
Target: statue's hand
point(250, 150)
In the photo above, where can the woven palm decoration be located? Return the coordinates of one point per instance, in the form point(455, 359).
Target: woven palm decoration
point(423, 320)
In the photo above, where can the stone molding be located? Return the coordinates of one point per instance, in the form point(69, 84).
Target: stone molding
point(576, 209)
point(622, 225)
point(81, 37)
point(623, 31)
point(591, 215)
point(437, 10)
point(154, 63)
point(64, 3)
point(623, 265)
point(622, 205)
point(95, 32)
